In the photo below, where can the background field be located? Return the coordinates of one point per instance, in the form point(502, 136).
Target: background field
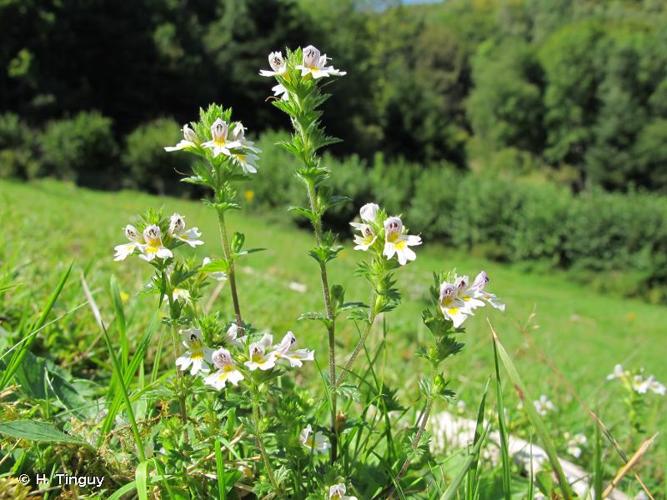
point(47, 225)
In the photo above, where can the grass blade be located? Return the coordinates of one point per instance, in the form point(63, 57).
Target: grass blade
point(117, 370)
point(472, 477)
point(629, 465)
point(453, 487)
point(141, 480)
point(220, 469)
point(534, 418)
point(20, 353)
point(502, 426)
point(597, 465)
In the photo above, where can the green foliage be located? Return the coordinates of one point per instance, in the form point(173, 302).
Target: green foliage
point(17, 148)
point(150, 167)
point(81, 149)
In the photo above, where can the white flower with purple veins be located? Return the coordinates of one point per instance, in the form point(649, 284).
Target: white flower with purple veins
point(197, 353)
point(259, 359)
point(246, 159)
point(337, 492)
point(315, 64)
point(189, 140)
point(575, 444)
point(154, 247)
point(315, 441)
point(479, 285)
point(543, 406)
point(458, 301)
point(287, 350)
point(227, 371)
point(220, 143)
point(123, 251)
point(366, 238)
point(216, 275)
point(397, 243)
point(277, 63)
point(178, 231)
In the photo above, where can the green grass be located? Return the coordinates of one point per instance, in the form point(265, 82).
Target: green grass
point(47, 225)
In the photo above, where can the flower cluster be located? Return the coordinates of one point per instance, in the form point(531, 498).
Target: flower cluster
point(312, 63)
point(150, 242)
point(459, 298)
point(377, 227)
point(637, 381)
point(221, 140)
point(262, 355)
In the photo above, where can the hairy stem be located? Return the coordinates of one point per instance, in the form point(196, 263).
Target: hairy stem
point(227, 251)
point(331, 323)
point(260, 445)
point(423, 419)
point(357, 349)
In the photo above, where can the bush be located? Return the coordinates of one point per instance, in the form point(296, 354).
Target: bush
point(434, 202)
point(17, 148)
point(274, 185)
point(81, 149)
point(349, 176)
point(393, 183)
point(150, 167)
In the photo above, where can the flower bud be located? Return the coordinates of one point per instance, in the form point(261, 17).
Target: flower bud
point(369, 212)
point(189, 134)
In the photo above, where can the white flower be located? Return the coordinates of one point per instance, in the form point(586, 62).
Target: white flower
point(180, 294)
point(280, 91)
point(196, 354)
point(369, 212)
point(316, 65)
point(219, 142)
point(216, 275)
point(315, 441)
point(233, 335)
point(478, 286)
point(287, 350)
point(277, 63)
point(227, 371)
point(618, 373)
point(246, 158)
point(642, 385)
point(337, 492)
point(247, 162)
point(177, 231)
point(189, 140)
point(154, 247)
point(398, 243)
point(259, 359)
point(458, 300)
point(238, 136)
point(543, 406)
point(121, 252)
point(575, 444)
point(367, 237)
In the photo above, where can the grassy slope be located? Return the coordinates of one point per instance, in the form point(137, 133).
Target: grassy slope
point(45, 225)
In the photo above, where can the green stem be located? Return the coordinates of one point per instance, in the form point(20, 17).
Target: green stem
point(357, 349)
point(227, 251)
point(179, 377)
point(260, 445)
point(331, 320)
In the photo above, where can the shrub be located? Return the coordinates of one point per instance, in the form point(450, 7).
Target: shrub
point(81, 149)
point(393, 183)
point(149, 165)
point(349, 176)
point(434, 202)
point(17, 148)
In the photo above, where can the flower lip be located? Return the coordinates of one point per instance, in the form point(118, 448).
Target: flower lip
point(311, 57)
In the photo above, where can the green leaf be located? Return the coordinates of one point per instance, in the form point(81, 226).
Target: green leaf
point(534, 418)
point(304, 212)
point(237, 242)
point(43, 432)
point(141, 479)
point(215, 266)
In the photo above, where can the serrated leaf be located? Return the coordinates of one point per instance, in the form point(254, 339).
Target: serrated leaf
point(216, 266)
point(43, 432)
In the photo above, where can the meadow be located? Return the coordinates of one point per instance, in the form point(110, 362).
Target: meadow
point(564, 337)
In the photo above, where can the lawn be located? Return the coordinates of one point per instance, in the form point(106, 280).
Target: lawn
point(564, 337)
